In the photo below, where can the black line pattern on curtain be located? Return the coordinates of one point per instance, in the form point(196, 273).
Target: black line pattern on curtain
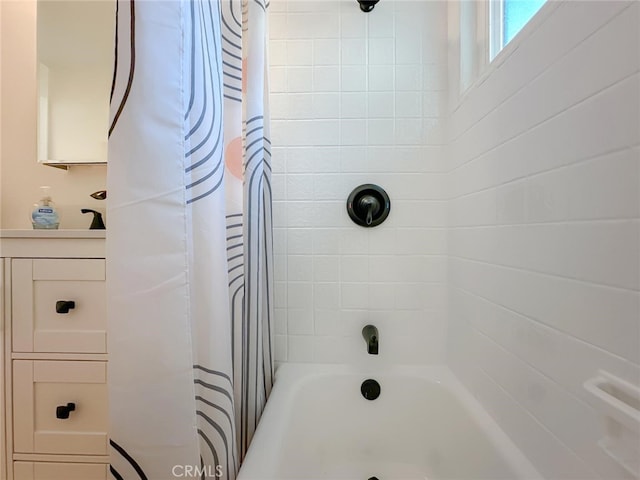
point(123, 57)
point(120, 453)
point(114, 473)
point(206, 158)
point(132, 62)
point(232, 52)
point(231, 4)
point(235, 262)
point(215, 405)
point(115, 56)
point(214, 455)
point(256, 337)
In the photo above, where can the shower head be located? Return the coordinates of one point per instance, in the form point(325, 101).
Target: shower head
point(367, 5)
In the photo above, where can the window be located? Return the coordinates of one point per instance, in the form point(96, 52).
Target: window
point(470, 56)
point(507, 18)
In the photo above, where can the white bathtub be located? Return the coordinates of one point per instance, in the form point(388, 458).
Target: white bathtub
point(424, 425)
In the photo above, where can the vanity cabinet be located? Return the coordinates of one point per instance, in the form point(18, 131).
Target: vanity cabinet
point(59, 471)
point(55, 355)
point(60, 304)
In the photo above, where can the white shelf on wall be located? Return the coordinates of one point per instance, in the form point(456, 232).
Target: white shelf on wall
point(618, 401)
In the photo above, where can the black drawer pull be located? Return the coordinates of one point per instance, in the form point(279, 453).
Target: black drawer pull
point(63, 306)
point(63, 411)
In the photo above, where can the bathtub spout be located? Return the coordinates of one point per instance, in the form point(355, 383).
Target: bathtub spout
point(370, 334)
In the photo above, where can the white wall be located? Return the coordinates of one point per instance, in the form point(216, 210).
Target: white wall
point(358, 98)
point(20, 174)
point(544, 233)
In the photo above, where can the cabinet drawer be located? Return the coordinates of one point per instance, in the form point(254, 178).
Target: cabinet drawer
point(41, 323)
point(59, 471)
point(43, 391)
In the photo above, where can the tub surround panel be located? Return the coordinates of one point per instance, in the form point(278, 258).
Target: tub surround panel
point(359, 98)
point(544, 231)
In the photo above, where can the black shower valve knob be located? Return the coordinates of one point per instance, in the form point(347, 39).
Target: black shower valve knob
point(368, 205)
point(367, 5)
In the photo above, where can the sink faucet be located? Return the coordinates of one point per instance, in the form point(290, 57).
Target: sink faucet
point(370, 334)
point(97, 223)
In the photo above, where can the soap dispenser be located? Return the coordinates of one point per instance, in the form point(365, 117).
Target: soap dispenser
point(44, 215)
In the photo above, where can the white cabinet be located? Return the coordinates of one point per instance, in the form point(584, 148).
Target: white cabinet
point(3, 430)
point(60, 407)
point(55, 356)
point(60, 304)
point(59, 471)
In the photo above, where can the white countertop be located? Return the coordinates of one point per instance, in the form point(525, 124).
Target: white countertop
point(62, 233)
point(66, 243)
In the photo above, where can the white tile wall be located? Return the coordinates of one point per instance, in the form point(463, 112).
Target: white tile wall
point(358, 98)
point(516, 228)
point(544, 232)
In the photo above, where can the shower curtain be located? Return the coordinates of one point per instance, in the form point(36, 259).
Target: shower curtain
point(189, 240)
